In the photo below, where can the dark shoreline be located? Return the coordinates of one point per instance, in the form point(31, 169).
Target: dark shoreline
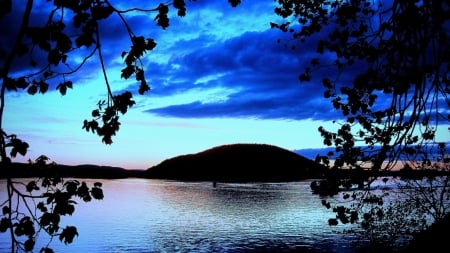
point(24, 170)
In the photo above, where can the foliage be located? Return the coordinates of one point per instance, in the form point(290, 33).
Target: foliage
point(385, 65)
point(72, 28)
point(40, 204)
point(395, 51)
point(392, 211)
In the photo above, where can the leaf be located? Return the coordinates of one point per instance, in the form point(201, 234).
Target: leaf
point(21, 83)
point(143, 87)
point(150, 45)
point(127, 71)
point(234, 3)
point(95, 113)
point(63, 89)
point(63, 43)
point(41, 206)
point(304, 77)
point(25, 227)
point(29, 245)
point(101, 12)
point(31, 186)
point(84, 40)
point(332, 222)
point(162, 19)
point(83, 192)
point(32, 89)
point(5, 223)
point(43, 87)
point(46, 250)
point(71, 187)
point(18, 146)
point(54, 57)
point(6, 210)
point(68, 234)
point(9, 84)
point(97, 193)
point(139, 74)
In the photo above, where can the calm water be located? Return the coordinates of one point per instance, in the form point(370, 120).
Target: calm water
point(139, 215)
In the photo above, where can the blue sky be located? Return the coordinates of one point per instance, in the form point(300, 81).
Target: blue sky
point(218, 76)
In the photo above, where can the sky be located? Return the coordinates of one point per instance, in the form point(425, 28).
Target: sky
point(217, 76)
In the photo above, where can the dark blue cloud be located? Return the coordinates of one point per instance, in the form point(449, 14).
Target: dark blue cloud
point(262, 72)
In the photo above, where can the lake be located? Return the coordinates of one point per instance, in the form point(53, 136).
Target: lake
point(143, 215)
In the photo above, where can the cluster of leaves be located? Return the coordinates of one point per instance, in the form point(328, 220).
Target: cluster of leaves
point(53, 198)
point(398, 53)
point(72, 27)
point(387, 217)
point(58, 39)
point(16, 145)
point(138, 49)
point(108, 115)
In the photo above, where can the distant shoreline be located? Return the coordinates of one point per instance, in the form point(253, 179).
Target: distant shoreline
point(23, 170)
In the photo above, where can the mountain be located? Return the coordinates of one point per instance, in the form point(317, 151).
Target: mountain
point(238, 163)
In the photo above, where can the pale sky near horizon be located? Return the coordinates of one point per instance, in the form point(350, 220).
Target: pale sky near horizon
point(218, 76)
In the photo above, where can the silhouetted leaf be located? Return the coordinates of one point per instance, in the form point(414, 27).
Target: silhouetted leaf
point(84, 40)
point(29, 245)
point(63, 42)
point(162, 18)
point(21, 83)
point(234, 3)
point(101, 11)
point(181, 6)
point(5, 223)
point(41, 206)
point(6, 210)
point(43, 87)
point(68, 234)
point(71, 186)
point(32, 186)
point(68, 84)
point(54, 57)
point(25, 227)
point(32, 89)
point(62, 87)
point(143, 87)
point(97, 193)
point(46, 250)
point(332, 222)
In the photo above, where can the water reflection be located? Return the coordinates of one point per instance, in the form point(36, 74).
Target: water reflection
point(140, 215)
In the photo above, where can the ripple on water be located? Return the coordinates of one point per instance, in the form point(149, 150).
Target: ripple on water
point(167, 216)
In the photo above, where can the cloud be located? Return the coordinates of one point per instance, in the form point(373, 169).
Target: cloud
point(260, 75)
point(212, 63)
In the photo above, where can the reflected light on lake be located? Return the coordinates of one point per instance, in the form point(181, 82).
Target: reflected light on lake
point(140, 215)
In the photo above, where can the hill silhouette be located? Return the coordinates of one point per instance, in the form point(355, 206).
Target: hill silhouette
point(238, 163)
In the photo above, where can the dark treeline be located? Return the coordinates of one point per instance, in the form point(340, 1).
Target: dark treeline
point(227, 163)
point(26, 170)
